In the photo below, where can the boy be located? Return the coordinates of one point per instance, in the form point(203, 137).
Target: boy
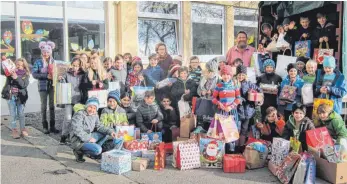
point(304, 32)
point(309, 78)
point(170, 117)
point(154, 73)
point(148, 115)
point(195, 70)
point(84, 140)
point(325, 33)
point(113, 115)
point(120, 71)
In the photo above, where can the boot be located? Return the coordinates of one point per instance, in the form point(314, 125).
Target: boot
point(45, 127)
point(79, 156)
point(52, 127)
point(63, 139)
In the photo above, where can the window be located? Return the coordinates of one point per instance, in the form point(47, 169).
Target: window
point(207, 30)
point(246, 20)
point(158, 23)
point(35, 30)
point(49, 3)
point(86, 4)
point(8, 39)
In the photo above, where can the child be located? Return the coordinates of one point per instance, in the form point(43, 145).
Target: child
point(309, 78)
point(183, 87)
point(265, 37)
point(126, 105)
point(128, 60)
point(297, 125)
point(73, 76)
point(120, 70)
point(84, 139)
point(272, 126)
point(292, 79)
point(148, 115)
point(333, 121)
point(300, 65)
point(154, 73)
point(325, 33)
point(209, 82)
point(246, 110)
point(304, 32)
point(237, 62)
point(113, 115)
point(176, 60)
point(108, 64)
point(195, 70)
point(84, 62)
point(16, 93)
point(94, 78)
point(269, 78)
point(44, 76)
point(330, 83)
point(173, 72)
point(135, 77)
point(170, 117)
point(227, 97)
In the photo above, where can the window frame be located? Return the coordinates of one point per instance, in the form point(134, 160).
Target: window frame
point(248, 23)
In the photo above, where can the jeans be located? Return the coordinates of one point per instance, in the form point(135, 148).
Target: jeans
point(17, 112)
point(43, 97)
point(94, 149)
point(66, 128)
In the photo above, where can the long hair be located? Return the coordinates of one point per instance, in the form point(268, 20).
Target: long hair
point(25, 65)
point(101, 71)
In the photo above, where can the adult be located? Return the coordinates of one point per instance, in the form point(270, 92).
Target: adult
point(241, 50)
point(164, 59)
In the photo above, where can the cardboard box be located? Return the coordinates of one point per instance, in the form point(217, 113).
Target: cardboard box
point(139, 164)
point(332, 172)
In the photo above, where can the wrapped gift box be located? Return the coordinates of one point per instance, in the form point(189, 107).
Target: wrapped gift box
point(234, 163)
point(116, 161)
point(136, 145)
point(133, 153)
point(149, 154)
point(139, 164)
point(188, 155)
point(280, 149)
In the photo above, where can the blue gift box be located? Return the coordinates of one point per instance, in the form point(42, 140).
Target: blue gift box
point(116, 161)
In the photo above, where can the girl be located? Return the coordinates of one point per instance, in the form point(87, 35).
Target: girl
point(16, 94)
point(135, 77)
point(195, 69)
point(164, 59)
point(209, 82)
point(333, 121)
point(74, 77)
point(126, 105)
point(227, 97)
point(84, 62)
point(246, 110)
point(269, 78)
point(273, 125)
point(170, 117)
point(95, 77)
point(309, 78)
point(43, 74)
point(293, 79)
point(154, 73)
point(297, 125)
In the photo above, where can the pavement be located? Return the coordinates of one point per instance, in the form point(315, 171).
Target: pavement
point(39, 158)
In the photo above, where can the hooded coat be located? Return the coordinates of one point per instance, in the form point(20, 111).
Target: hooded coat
point(336, 126)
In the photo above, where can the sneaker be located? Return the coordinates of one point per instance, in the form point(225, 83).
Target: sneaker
point(63, 140)
point(15, 134)
point(79, 156)
point(45, 131)
point(25, 132)
point(53, 130)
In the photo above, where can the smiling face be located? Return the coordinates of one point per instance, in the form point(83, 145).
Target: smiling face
point(272, 117)
point(125, 101)
point(107, 64)
point(119, 64)
point(45, 55)
point(20, 65)
point(310, 69)
point(194, 63)
point(183, 75)
point(112, 103)
point(241, 40)
point(75, 65)
point(153, 62)
point(304, 23)
point(226, 77)
point(298, 115)
point(241, 77)
point(137, 68)
point(162, 50)
point(93, 64)
point(323, 116)
point(322, 20)
point(91, 110)
point(293, 73)
point(328, 70)
point(149, 100)
point(300, 66)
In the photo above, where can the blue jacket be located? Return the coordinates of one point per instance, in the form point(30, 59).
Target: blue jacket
point(43, 82)
point(298, 84)
point(246, 109)
point(336, 91)
point(153, 75)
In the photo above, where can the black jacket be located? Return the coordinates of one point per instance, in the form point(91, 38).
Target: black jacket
point(269, 99)
point(328, 30)
point(131, 115)
point(170, 117)
point(177, 90)
point(86, 85)
point(21, 83)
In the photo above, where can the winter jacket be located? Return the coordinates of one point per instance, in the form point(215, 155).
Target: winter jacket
point(82, 126)
point(86, 85)
point(272, 129)
point(165, 64)
point(177, 90)
point(269, 78)
point(131, 115)
point(75, 80)
point(298, 84)
point(120, 75)
point(43, 82)
point(113, 117)
point(170, 117)
point(290, 130)
point(146, 113)
point(246, 109)
point(336, 126)
point(21, 83)
point(133, 79)
point(336, 91)
point(153, 75)
point(195, 75)
point(328, 30)
point(295, 34)
point(207, 84)
point(228, 94)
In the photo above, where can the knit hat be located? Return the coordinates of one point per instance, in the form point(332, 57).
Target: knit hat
point(93, 101)
point(286, 21)
point(269, 62)
point(226, 70)
point(115, 95)
point(136, 59)
point(241, 69)
point(177, 58)
point(329, 61)
point(212, 65)
point(302, 59)
point(173, 69)
point(47, 46)
point(291, 66)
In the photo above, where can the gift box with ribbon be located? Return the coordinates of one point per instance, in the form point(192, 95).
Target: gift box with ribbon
point(234, 163)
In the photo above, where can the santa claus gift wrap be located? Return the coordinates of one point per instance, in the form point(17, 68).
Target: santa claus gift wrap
point(234, 163)
point(211, 153)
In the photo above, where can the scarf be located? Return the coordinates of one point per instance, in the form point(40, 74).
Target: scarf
point(20, 73)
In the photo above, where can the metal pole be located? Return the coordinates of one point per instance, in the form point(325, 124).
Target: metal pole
point(65, 32)
point(17, 30)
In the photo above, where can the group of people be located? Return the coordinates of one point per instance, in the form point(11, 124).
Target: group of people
point(224, 81)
